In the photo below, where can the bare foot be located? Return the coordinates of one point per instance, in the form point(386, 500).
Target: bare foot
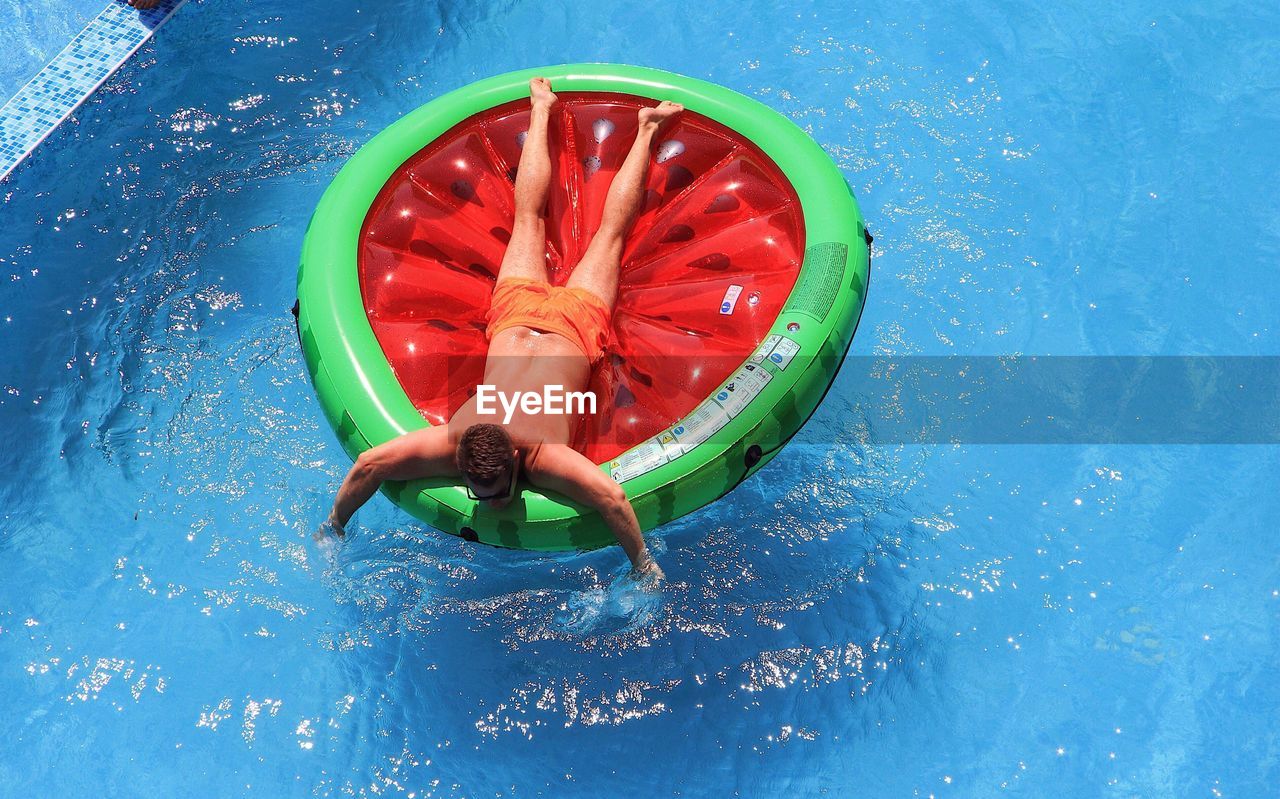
point(540, 93)
point(143, 5)
point(657, 117)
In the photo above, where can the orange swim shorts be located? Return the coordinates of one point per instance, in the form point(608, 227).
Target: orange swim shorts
point(574, 313)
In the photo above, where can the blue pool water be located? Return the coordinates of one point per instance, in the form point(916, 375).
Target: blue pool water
point(861, 617)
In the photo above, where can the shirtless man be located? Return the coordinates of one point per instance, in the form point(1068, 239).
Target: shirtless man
point(539, 336)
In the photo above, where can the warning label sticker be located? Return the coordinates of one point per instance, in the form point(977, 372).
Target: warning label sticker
point(638, 460)
point(730, 300)
point(745, 385)
point(713, 414)
point(783, 352)
point(765, 348)
point(697, 427)
point(669, 443)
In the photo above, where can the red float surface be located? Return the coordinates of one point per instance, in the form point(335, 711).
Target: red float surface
point(718, 213)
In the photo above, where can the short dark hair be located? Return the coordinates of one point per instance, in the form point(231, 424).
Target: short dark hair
point(484, 453)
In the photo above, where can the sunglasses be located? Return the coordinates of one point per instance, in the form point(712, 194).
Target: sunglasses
point(506, 493)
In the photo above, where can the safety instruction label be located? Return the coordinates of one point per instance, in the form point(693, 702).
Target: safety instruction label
point(783, 352)
point(745, 385)
point(705, 421)
point(765, 348)
point(638, 460)
point(712, 415)
point(730, 300)
point(669, 443)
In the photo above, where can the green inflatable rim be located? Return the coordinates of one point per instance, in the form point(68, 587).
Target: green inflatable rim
point(366, 405)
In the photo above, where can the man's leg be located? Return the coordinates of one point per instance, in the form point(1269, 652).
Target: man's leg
point(526, 255)
point(597, 272)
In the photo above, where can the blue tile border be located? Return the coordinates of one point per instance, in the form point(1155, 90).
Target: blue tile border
point(73, 75)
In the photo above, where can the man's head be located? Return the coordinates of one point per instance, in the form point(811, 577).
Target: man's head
point(487, 458)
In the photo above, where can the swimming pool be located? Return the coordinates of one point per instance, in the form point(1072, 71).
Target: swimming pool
point(863, 615)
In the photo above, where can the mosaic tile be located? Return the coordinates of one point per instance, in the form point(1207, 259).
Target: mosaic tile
point(73, 75)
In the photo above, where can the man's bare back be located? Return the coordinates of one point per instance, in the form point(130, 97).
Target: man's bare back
point(540, 336)
point(522, 360)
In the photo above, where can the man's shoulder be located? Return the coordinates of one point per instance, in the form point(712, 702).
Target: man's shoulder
point(548, 456)
point(536, 454)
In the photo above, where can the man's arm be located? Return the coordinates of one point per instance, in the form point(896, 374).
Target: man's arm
point(563, 469)
point(422, 453)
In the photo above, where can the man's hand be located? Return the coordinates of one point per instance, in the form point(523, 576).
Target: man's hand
point(647, 569)
point(330, 528)
point(563, 469)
